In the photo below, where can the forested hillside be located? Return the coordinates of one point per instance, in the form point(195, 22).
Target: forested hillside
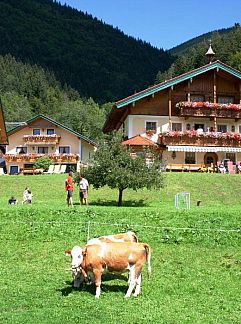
point(94, 58)
point(182, 48)
point(226, 44)
point(27, 90)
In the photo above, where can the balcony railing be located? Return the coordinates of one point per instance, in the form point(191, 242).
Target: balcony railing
point(31, 158)
point(204, 139)
point(207, 109)
point(40, 139)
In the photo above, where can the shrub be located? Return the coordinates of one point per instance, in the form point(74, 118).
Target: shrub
point(42, 163)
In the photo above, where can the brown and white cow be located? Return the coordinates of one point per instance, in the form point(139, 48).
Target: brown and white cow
point(121, 237)
point(113, 257)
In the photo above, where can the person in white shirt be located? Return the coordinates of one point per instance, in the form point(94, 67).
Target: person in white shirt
point(27, 196)
point(83, 190)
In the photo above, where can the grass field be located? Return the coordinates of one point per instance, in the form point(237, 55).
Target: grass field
point(196, 253)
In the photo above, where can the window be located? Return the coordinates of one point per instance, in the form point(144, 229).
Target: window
point(36, 131)
point(197, 98)
point(230, 156)
point(50, 131)
point(176, 127)
point(239, 129)
point(151, 126)
point(222, 128)
point(199, 126)
point(42, 150)
point(233, 128)
point(190, 158)
point(188, 127)
point(28, 165)
point(225, 100)
point(64, 149)
point(13, 169)
point(21, 150)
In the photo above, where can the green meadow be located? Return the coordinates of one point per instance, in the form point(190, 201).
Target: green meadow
point(196, 253)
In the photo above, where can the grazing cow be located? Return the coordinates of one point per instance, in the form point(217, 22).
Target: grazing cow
point(113, 257)
point(121, 237)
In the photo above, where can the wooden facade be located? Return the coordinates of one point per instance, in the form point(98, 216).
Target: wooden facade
point(209, 96)
point(3, 134)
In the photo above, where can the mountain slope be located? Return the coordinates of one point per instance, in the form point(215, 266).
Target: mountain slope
point(182, 48)
point(88, 55)
point(226, 44)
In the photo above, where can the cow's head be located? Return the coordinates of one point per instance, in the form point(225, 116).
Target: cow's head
point(76, 258)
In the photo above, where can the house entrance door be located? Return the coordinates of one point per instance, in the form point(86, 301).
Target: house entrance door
point(210, 158)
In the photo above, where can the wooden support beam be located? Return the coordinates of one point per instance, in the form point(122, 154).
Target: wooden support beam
point(189, 91)
point(240, 92)
point(215, 95)
point(170, 108)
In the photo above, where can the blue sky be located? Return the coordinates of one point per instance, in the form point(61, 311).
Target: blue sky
point(163, 23)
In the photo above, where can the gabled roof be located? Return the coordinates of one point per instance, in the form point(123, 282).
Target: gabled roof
point(183, 77)
point(29, 121)
point(138, 140)
point(3, 134)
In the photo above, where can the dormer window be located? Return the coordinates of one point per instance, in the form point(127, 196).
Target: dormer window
point(36, 131)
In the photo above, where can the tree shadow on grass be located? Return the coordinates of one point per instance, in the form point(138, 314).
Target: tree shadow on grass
point(90, 288)
point(125, 203)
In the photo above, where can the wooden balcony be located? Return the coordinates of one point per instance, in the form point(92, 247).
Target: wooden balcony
point(210, 110)
point(41, 139)
point(205, 139)
point(31, 158)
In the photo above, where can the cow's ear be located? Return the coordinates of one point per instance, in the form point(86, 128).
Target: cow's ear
point(84, 251)
point(67, 252)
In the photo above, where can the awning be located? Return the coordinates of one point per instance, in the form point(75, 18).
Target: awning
point(180, 148)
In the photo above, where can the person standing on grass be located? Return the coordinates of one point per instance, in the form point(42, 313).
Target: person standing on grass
point(69, 187)
point(83, 190)
point(25, 196)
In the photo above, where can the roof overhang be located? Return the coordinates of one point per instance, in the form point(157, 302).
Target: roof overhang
point(215, 149)
point(169, 83)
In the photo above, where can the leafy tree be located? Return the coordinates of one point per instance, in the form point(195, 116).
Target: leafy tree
point(113, 166)
point(42, 163)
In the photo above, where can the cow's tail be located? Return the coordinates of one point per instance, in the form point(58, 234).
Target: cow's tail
point(133, 236)
point(148, 258)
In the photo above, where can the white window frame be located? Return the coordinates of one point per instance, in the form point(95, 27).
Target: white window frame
point(220, 125)
point(65, 146)
point(177, 123)
point(50, 129)
point(38, 130)
point(45, 147)
point(151, 121)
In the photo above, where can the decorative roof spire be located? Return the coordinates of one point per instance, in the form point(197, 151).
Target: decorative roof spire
point(210, 53)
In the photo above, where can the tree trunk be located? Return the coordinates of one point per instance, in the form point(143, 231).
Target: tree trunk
point(120, 197)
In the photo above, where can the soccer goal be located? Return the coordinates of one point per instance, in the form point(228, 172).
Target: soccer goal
point(182, 200)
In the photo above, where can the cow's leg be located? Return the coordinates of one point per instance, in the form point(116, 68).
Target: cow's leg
point(131, 281)
point(97, 276)
point(138, 285)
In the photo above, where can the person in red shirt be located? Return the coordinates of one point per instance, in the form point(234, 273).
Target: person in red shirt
point(69, 187)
